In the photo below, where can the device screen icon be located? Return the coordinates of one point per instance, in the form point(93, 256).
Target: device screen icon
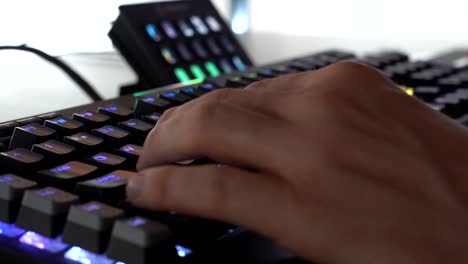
point(184, 52)
point(213, 46)
point(240, 65)
point(168, 55)
point(227, 44)
point(226, 66)
point(199, 49)
point(170, 30)
point(213, 23)
point(200, 27)
point(153, 32)
point(186, 29)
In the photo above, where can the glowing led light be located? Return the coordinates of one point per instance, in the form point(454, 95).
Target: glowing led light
point(408, 90)
point(60, 121)
point(17, 154)
point(212, 69)
point(100, 158)
point(149, 99)
point(40, 242)
point(85, 257)
point(136, 222)
point(132, 123)
point(189, 90)
point(168, 55)
point(87, 114)
point(170, 94)
point(10, 230)
point(108, 178)
point(197, 72)
point(6, 178)
point(91, 207)
point(128, 149)
point(240, 23)
point(30, 128)
point(111, 108)
point(153, 32)
point(60, 169)
point(181, 75)
point(240, 65)
point(183, 251)
point(46, 192)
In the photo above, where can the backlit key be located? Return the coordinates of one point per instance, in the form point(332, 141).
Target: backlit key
point(26, 136)
point(68, 174)
point(112, 135)
point(116, 113)
point(21, 160)
point(55, 151)
point(65, 126)
point(110, 187)
point(148, 105)
point(137, 128)
point(91, 119)
point(85, 142)
point(152, 118)
point(108, 162)
point(132, 152)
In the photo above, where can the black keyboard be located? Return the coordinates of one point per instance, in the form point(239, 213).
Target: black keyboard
point(63, 174)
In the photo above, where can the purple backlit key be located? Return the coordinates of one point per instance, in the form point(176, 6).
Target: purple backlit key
point(110, 187)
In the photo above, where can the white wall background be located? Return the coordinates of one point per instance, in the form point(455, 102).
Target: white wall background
point(63, 26)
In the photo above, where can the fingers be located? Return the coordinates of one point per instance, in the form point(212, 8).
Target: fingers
point(212, 128)
point(212, 191)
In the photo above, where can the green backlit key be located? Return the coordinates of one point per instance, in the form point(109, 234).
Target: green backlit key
point(212, 69)
point(197, 72)
point(181, 75)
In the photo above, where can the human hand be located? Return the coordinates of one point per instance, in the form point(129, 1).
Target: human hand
point(337, 165)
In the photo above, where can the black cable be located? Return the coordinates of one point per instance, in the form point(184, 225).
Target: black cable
point(82, 83)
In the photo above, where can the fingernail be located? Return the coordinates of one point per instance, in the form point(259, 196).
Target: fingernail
point(135, 187)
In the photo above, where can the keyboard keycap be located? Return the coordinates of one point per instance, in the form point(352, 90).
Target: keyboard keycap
point(113, 136)
point(132, 152)
point(193, 92)
point(110, 188)
point(108, 162)
point(141, 241)
point(44, 211)
point(12, 189)
point(148, 105)
point(137, 128)
point(84, 142)
point(91, 119)
point(208, 87)
point(237, 81)
point(64, 126)
point(55, 151)
point(26, 136)
point(67, 175)
point(152, 118)
point(116, 113)
point(89, 225)
point(176, 98)
point(21, 160)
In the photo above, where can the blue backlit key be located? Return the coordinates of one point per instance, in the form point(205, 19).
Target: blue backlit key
point(176, 98)
point(110, 187)
point(113, 136)
point(108, 162)
point(151, 104)
point(44, 211)
point(199, 49)
point(65, 126)
point(193, 92)
point(92, 119)
point(139, 129)
point(89, 225)
point(55, 151)
point(84, 142)
point(12, 189)
point(131, 152)
point(67, 175)
point(144, 241)
point(28, 135)
point(152, 118)
point(208, 87)
point(116, 113)
point(21, 160)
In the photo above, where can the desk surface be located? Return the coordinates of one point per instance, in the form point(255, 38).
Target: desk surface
point(31, 86)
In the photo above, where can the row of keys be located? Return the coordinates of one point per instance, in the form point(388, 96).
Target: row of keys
point(189, 28)
point(197, 49)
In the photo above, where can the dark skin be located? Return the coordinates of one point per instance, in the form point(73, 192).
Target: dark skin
point(351, 169)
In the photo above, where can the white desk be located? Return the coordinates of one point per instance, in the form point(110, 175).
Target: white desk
point(30, 86)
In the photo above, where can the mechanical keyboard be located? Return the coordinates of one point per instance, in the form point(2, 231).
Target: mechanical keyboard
point(63, 174)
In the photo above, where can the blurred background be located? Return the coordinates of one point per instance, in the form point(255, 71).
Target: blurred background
point(269, 31)
point(81, 26)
